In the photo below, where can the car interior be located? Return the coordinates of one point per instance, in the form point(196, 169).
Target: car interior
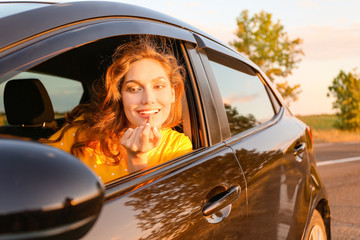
point(29, 110)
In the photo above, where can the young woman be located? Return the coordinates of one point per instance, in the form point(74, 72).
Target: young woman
point(128, 125)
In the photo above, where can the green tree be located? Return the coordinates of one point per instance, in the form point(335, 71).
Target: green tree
point(346, 90)
point(239, 123)
point(267, 44)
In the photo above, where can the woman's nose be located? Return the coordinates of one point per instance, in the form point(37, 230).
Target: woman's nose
point(148, 97)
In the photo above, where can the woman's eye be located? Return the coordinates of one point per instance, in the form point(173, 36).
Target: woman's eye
point(160, 86)
point(133, 89)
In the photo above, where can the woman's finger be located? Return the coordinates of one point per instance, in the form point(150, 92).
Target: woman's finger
point(141, 139)
point(127, 133)
point(126, 136)
point(145, 135)
point(128, 139)
point(134, 140)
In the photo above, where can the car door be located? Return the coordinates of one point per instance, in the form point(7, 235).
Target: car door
point(268, 142)
point(168, 203)
point(200, 195)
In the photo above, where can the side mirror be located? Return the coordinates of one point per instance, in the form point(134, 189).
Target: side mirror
point(45, 193)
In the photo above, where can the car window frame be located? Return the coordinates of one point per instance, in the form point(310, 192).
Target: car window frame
point(210, 114)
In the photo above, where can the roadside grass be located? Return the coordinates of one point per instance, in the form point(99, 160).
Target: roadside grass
point(323, 129)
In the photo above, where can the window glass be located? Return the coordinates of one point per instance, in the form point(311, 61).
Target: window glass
point(245, 98)
point(64, 93)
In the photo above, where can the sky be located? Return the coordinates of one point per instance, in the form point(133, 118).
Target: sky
point(330, 30)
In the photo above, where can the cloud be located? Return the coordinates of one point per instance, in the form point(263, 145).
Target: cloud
point(233, 99)
point(221, 31)
point(170, 4)
point(308, 4)
point(193, 4)
point(329, 42)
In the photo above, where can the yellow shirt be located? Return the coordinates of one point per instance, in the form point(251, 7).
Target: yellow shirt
point(173, 144)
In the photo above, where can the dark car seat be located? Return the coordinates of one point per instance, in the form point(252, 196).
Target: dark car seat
point(28, 109)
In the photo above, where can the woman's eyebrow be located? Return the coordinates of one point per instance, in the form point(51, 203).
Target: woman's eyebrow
point(161, 78)
point(132, 81)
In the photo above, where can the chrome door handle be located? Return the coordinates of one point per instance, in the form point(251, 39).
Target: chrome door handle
point(299, 150)
point(221, 200)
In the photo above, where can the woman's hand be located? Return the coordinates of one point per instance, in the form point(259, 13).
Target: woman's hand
point(138, 142)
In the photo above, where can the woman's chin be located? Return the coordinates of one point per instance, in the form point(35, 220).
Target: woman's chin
point(143, 121)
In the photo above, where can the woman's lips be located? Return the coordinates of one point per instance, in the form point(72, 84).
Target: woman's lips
point(146, 113)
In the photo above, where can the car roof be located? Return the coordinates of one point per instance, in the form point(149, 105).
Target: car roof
point(31, 22)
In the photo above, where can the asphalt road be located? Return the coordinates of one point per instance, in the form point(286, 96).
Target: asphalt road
point(339, 167)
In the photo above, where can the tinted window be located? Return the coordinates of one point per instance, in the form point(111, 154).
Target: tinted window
point(245, 98)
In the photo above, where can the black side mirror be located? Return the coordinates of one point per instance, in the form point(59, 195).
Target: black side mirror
point(45, 193)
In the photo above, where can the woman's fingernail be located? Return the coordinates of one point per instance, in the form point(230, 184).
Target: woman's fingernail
point(155, 128)
point(147, 124)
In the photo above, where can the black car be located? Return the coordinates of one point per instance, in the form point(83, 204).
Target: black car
point(252, 173)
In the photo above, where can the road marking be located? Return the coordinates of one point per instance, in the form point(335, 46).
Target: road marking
point(343, 160)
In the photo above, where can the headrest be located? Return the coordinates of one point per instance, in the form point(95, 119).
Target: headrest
point(27, 102)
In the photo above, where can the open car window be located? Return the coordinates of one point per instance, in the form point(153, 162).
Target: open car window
point(67, 80)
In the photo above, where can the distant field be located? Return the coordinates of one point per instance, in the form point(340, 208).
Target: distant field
point(319, 122)
point(323, 129)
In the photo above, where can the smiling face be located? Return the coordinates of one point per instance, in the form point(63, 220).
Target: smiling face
point(147, 94)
